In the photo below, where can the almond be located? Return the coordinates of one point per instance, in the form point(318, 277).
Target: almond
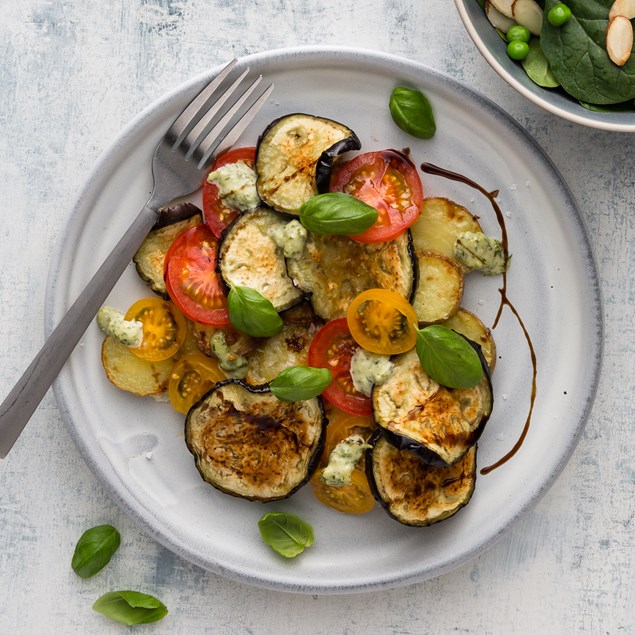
point(497, 19)
point(623, 7)
point(619, 39)
point(504, 6)
point(528, 14)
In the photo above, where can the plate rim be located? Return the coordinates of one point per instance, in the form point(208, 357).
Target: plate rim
point(350, 55)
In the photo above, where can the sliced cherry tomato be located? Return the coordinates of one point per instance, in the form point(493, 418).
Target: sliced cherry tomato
point(383, 322)
point(332, 348)
point(219, 216)
point(164, 328)
point(191, 278)
point(353, 498)
point(192, 376)
point(389, 182)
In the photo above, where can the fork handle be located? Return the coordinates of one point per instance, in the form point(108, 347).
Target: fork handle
point(24, 398)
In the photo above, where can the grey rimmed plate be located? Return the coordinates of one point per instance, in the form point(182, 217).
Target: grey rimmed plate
point(135, 445)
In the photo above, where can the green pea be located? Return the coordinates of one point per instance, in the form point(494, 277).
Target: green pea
point(559, 14)
point(518, 50)
point(518, 34)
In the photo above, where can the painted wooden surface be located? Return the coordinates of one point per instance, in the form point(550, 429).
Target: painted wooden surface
point(72, 73)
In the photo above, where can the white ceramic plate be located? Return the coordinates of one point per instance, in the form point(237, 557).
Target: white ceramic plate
point(135, 446)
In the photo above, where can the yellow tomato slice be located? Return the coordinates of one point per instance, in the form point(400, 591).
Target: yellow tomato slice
point(383, 322)
point(192, 376)
point(164, 328)
point(353, 498)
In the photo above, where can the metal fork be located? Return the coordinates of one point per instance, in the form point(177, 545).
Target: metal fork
point(179, 165)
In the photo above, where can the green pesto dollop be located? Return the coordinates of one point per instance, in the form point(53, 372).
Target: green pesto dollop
point(112, 322)
point(343, 459)
point(475, 250)
point(236, 183)
point(290, 238)
point(368, 369)
point(233, 365)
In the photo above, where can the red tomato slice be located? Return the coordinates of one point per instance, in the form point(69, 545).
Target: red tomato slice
point(388, 181)
point(191, 278)
point(332, 348)
point(218, 215)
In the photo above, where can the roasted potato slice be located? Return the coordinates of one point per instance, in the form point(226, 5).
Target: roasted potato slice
point(466, 323)
point(440, 288)
point(131, 373)
point(439, 224)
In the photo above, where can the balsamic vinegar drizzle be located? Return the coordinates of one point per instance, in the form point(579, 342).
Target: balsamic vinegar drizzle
point(429, 168)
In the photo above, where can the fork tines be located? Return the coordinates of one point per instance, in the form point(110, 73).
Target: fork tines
point(205, 126)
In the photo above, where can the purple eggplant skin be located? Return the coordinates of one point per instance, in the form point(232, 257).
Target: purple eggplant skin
point(175, 213)
point(420, 486)
point(402, 442)
point(313, 462)
point(324, 165)
point(415, 266)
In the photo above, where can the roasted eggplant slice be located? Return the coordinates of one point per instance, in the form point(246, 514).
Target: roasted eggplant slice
point(248, 256)
point(248, 443)
point(336, 269)
point(150, 257)
point(294, 158)
point(289, 348)
point(414, 492)
point(468, 325)
point(437, 423)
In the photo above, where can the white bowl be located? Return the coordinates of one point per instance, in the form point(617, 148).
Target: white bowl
point(557, 102)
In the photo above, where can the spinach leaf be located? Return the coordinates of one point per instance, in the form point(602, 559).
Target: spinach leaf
point(94, 549)
point(285, 533)
point(577, 55)
point(537, 67)
point(336, 213)
point(130, 607)
point(251, 313)
point(300, 382)
point(448, 357)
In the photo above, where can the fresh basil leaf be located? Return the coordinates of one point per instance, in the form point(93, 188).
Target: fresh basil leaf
point(130, 607)
point(577, 55)
point(336, 213)
point(94, 549)
point(285, 533)
point(448, 357)
point(252, 313)
point(537, 67)
point(412, 112)
point(300, 382)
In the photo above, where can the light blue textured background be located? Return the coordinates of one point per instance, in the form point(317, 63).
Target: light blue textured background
point(72, 73)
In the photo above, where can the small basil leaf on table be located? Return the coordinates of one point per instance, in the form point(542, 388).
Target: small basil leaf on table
point(130, 607)
point(285, 533)
point(412, 112)
point(337, 214)
point(94, 550)
point(251, 313)
point(448, 357)
point(300, 382)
